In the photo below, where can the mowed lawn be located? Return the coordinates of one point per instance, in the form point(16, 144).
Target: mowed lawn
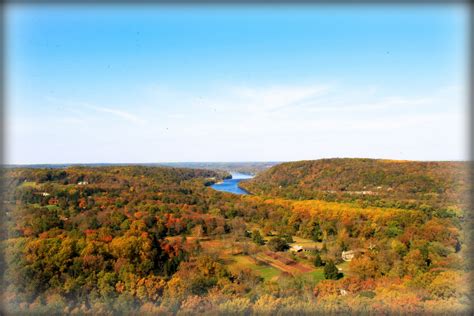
point(345, 268)
point(315, 276)
point(29, 184)
point(262, 265)
point(306, 242)
point(268, 272)
point(265, 271)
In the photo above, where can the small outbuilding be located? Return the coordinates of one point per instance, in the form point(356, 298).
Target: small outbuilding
point(296, 248)
point(348, 255)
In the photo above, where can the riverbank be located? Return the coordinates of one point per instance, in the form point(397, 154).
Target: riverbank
point(232, 185)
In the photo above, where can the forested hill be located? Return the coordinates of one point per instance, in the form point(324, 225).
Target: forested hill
point(112, 174)
point(122, 240)
point(241, 167)
point(435, 186)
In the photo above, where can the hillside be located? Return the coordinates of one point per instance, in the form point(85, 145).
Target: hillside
point(242, 167)
point(435, 186)
point(156, 240)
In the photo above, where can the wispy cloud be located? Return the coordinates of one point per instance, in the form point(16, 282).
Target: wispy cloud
point(119, 113)
point(276, 98)
point(77, 108)
point(382, 104)
point(303, 102)
point(176, 116)
point(285, 121)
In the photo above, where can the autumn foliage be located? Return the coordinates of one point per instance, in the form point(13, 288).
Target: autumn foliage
point(108, 240)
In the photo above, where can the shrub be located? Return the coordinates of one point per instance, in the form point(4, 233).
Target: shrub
point(318, 262)
point(277, 244)
point(331, 272)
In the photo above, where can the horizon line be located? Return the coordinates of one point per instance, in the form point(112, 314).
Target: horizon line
point(214, 162)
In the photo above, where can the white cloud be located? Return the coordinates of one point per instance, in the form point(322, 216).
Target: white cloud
point(383, 104)
point(119, 113)
point(305, 101)
point(277, 97)
point(249, 123)
point(76, 109)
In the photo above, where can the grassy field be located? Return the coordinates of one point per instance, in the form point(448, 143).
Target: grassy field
point(344, 268)
point(315, 276)
point(306, 242)
point(264, 263)
point(52, 207)
point(29, 184)
point(265, 271)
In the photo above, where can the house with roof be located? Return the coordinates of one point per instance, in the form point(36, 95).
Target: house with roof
point(348, 255)
point(296, 248)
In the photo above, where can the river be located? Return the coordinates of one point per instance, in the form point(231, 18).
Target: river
point(232, 185)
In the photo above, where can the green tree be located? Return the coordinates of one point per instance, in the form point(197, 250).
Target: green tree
point(330, 271)
point(317, 233)
point(277, 244)
point(257, 238)
point(318, 262)
point(288, 238)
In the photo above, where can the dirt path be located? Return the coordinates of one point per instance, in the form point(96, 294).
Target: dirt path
point(275, 261)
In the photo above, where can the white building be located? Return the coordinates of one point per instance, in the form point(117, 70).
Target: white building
point(296, 248)
point(348, 255)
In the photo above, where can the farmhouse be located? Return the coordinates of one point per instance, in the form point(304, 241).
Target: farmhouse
point(296, 248)
point(310, 249)
point(347, 255)
point(305, 248)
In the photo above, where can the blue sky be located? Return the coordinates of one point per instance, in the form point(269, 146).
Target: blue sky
point(243, 83)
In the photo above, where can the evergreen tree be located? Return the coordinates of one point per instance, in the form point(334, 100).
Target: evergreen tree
point(330, 271)
point(318, 262)
point(317, 234)
point(257, 238)
point(288, 238)
point(277, 244)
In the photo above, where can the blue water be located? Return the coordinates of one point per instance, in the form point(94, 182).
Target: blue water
point(232, 185)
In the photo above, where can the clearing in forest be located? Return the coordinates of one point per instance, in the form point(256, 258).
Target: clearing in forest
point(264, 270)
point(283, 263)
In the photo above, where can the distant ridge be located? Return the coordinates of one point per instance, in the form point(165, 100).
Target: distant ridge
point(380, 182)
point(243, 167)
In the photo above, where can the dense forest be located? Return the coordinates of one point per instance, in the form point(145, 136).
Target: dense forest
point(439, 187)
point(242, 167)
point(136, 239)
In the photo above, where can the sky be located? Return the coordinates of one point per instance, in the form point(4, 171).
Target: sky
point(135, 84)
